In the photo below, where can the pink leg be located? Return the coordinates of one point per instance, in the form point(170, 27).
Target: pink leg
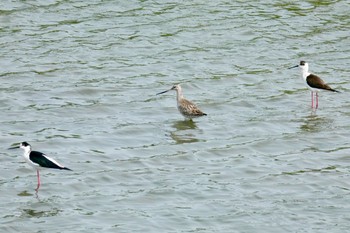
point(312, 99)
point(316, 99)
point(37, 173)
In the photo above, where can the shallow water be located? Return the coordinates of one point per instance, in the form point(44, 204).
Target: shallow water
point(79, 82)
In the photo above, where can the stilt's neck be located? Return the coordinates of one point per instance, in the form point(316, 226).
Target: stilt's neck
point(304, 70)
point(27, 151)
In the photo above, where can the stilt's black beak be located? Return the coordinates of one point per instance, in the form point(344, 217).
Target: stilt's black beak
point(14, 147)
point(293, 67)
point(162, 92)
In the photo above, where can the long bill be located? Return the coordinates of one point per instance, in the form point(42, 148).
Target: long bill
point(293, 67)
point(14, 147)
point(163, 92)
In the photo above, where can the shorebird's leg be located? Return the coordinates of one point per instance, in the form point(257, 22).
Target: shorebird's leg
point(316, 99)
point(37, 173)
point(312, 99)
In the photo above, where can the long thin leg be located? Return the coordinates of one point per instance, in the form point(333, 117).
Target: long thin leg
point(312, 99)
point(37, 173)
point(316, 99)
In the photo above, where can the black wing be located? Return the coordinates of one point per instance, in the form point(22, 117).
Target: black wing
point(316, 82)
point(44, 161)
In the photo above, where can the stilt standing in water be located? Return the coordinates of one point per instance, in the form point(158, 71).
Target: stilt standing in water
point(38, 160)
point(188, 109)
point(313, 82)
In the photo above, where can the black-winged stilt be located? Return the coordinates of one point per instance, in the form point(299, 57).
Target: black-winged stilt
point(38, 160)
point(313, 82)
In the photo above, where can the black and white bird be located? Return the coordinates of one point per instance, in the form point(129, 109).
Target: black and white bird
point(38, 160)
point(313, 82)
point(187, 109)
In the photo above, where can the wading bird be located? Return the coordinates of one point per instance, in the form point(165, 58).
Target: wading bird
point(313, 82)
point(38, 160)
point(188, 109)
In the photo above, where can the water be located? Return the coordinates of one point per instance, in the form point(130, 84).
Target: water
point(78, 82)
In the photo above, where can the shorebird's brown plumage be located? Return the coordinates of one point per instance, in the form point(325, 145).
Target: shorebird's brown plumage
point(189, 109)
point(186, 108)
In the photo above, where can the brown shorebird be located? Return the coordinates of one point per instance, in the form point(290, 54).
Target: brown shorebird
point(188, 109)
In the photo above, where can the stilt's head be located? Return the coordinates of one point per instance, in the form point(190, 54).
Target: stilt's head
point(304, 66)
point(23, 145)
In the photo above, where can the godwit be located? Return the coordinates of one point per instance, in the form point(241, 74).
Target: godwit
point(313, 82)
point(188, 109)
point(38, 160)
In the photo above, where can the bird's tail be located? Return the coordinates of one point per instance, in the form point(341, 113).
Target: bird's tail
point(66, 168)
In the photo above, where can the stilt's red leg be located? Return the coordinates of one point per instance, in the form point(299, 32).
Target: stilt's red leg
point(312, 99)
point(316, 99)
point(37, 173)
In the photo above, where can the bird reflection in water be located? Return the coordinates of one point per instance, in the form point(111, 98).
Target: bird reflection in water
point(315, 123)
point(31, 213)
point(185, 132)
